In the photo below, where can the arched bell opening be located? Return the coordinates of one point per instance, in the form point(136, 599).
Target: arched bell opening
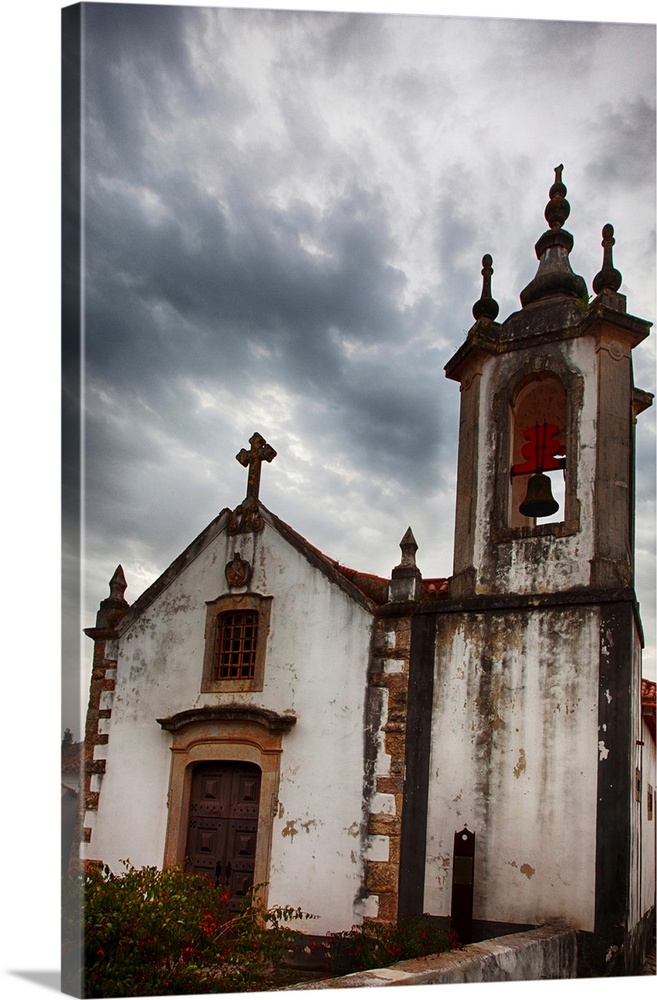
point(538, 460)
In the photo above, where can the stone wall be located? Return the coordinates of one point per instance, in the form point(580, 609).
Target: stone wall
point(547, 952)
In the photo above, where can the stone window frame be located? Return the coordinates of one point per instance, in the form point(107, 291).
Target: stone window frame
point(215, 610)
point(573, 384)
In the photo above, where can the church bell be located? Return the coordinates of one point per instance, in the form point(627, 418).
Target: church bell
point(539, 501)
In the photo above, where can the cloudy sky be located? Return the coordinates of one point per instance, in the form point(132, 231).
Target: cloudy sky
point(284, 219)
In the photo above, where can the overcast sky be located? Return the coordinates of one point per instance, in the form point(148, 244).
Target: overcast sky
point(285, 215)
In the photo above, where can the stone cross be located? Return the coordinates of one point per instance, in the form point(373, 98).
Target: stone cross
point(260, 452)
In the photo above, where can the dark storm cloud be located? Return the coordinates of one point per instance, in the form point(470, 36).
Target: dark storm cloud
point(625, 153)
point(547, 46)
point(386, 413)
point(141, 80)
point(286, 214)
point(337, 41)
point(170, 294)
point(183, 284)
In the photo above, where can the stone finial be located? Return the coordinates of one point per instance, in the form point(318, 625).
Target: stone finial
point(557, 209)
point(113, 608)
point(406, 579)
point(118, 584)
point(486, 307)
point(608, 278)
point(555, 276)
point(408, 547)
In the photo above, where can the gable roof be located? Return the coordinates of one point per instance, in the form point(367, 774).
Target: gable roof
point(181, 562)
point(72, 756)
point(366, 589)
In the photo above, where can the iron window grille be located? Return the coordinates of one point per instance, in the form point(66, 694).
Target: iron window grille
point(236, 641)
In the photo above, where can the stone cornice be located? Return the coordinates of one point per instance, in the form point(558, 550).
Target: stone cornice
point(273, 721)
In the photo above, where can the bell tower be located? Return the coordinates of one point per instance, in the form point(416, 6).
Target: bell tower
point(538, 646)
point(545, 491)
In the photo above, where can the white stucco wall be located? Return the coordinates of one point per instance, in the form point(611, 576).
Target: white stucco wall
point(316, 664)
point(648, 826)
point(514, 757)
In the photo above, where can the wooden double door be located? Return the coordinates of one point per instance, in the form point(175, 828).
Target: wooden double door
point(223, 824)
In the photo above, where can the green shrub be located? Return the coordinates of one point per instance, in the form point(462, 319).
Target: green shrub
point(162, 933)
point(379, 945)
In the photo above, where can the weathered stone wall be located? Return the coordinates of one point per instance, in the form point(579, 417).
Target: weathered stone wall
point(514, 756)
point(384, 782)
point(548, 952)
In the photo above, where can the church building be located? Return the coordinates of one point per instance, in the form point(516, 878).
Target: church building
point(471, 747)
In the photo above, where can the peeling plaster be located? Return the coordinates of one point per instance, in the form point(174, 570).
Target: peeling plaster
point(521, 765)
point(289, 830)
point(442, 863)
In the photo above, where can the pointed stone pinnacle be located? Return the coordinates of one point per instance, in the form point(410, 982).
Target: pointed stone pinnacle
point(408, 547)
point(118, 584)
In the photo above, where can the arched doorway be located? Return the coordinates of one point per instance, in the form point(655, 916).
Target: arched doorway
point(223, 823)
point(245, 740)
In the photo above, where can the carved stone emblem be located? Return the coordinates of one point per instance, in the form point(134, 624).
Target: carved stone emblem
point(246, 518)
point(238, 571)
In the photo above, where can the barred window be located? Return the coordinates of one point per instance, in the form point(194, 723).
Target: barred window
point(236, 640)
point(236, 631)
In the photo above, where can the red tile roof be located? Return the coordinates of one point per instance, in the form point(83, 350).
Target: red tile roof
point(648, 704)
point(72, 756)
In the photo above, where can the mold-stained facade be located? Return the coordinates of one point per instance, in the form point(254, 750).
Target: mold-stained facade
point(267, 716)
point(162, 723)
